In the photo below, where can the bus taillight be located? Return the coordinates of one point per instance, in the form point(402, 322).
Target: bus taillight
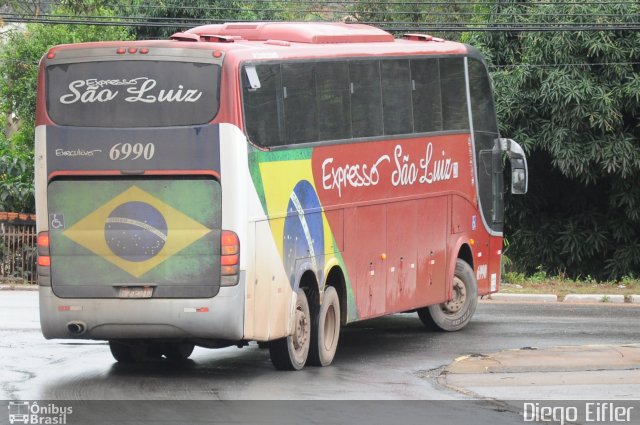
point(44, 260)
point(43, 241)
point(229, 258)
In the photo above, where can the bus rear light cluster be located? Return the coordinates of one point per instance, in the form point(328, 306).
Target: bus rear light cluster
point(44, 255)
point(43, 249)
point(229, 258)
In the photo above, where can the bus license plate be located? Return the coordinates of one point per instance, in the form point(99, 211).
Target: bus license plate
point(135, 292)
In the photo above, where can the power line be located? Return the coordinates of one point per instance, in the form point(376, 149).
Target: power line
point(390, 26)
point(393, 3)
point(368, 12)
point(556, 65)
point(169, 19)
point(374, 13)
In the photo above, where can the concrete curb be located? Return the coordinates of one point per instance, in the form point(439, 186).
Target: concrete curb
point(569, 298)
point(540, 298)
point(594, 298)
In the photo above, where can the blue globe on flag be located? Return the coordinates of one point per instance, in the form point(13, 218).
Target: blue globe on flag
point(303, 242)
point(136, 231)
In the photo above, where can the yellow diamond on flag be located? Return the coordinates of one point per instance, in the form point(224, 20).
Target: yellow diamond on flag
point(136, 231)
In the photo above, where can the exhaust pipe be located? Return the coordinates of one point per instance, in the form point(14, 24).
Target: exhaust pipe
point(76, 328)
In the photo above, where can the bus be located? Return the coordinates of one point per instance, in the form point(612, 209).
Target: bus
point(268, 182)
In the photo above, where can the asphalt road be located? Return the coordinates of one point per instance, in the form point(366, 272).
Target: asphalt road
point(391, 358)
point(388, 358)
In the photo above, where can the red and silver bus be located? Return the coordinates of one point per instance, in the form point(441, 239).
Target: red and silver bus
point(265, 182)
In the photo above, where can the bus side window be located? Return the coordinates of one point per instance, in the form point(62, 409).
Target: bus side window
point(299, 92)
point(455, 115)
point(263, 106)
point(333, 100)
point(427, 101)
point(396, 93)
point(366, 98)
point(484, 116)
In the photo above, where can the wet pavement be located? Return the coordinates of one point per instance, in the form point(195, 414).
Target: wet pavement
point(391, 358)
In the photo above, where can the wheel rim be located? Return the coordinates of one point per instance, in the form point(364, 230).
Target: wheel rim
point(329, 328)
point(454, 305)
point(300, 337)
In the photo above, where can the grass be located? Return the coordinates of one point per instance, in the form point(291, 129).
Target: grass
point(541, 283)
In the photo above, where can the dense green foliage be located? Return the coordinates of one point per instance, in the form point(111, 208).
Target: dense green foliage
point(572, 99)
point(198, 12)
point(19, 57)
point(16, 176)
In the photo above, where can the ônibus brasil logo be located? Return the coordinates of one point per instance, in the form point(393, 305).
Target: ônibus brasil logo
point(25, 412)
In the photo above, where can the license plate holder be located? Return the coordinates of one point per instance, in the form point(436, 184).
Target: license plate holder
point(135, 292)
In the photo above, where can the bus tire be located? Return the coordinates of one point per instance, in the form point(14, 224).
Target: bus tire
point(325, 330)
point(178, 351)
point(121, 352)
point(290, 353)
point(456, 313)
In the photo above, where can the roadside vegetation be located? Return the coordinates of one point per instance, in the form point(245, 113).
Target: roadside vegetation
point(542, 283)
point(566, 77)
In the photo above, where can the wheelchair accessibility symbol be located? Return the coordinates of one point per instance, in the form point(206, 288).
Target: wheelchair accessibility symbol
point(56, 221)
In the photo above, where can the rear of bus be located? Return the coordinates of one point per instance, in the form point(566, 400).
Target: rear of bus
point(129, 197)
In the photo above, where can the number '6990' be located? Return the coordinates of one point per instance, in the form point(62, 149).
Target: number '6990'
point(133, 151)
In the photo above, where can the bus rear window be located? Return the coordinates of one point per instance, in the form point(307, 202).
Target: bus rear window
point(125, 94)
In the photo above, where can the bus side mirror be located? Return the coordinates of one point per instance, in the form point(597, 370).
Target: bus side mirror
point(519, 170)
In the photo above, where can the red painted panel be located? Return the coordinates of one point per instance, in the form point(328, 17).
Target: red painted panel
point(402, 227)
point(367, 247)
point(432, 253)
point(461, 212)
point(495, 255)
point(481, 259)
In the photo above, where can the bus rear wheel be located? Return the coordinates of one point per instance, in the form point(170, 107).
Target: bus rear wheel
point(456, 313)
point(291, 353)
point(326, 330)
point(121, 352)
point(178, 351)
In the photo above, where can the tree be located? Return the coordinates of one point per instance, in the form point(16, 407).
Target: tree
point(572, 99)
point(186, 14)
point(19, 57)
point(402, 16)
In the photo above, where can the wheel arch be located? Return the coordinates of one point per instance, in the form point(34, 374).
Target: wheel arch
point(335, 278)
point(465, 253)
point(308, 282)
point(462, 250)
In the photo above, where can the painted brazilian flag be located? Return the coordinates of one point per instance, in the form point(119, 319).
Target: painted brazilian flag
point(110, 232)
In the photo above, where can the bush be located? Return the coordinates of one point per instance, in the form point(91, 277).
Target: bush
point(16, 177)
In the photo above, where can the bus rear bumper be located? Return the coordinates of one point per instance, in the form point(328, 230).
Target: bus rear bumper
point(217, 318)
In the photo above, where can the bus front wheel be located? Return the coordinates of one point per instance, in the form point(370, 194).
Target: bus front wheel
point(326, 330)
point(456, 313)
point(291, 353)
